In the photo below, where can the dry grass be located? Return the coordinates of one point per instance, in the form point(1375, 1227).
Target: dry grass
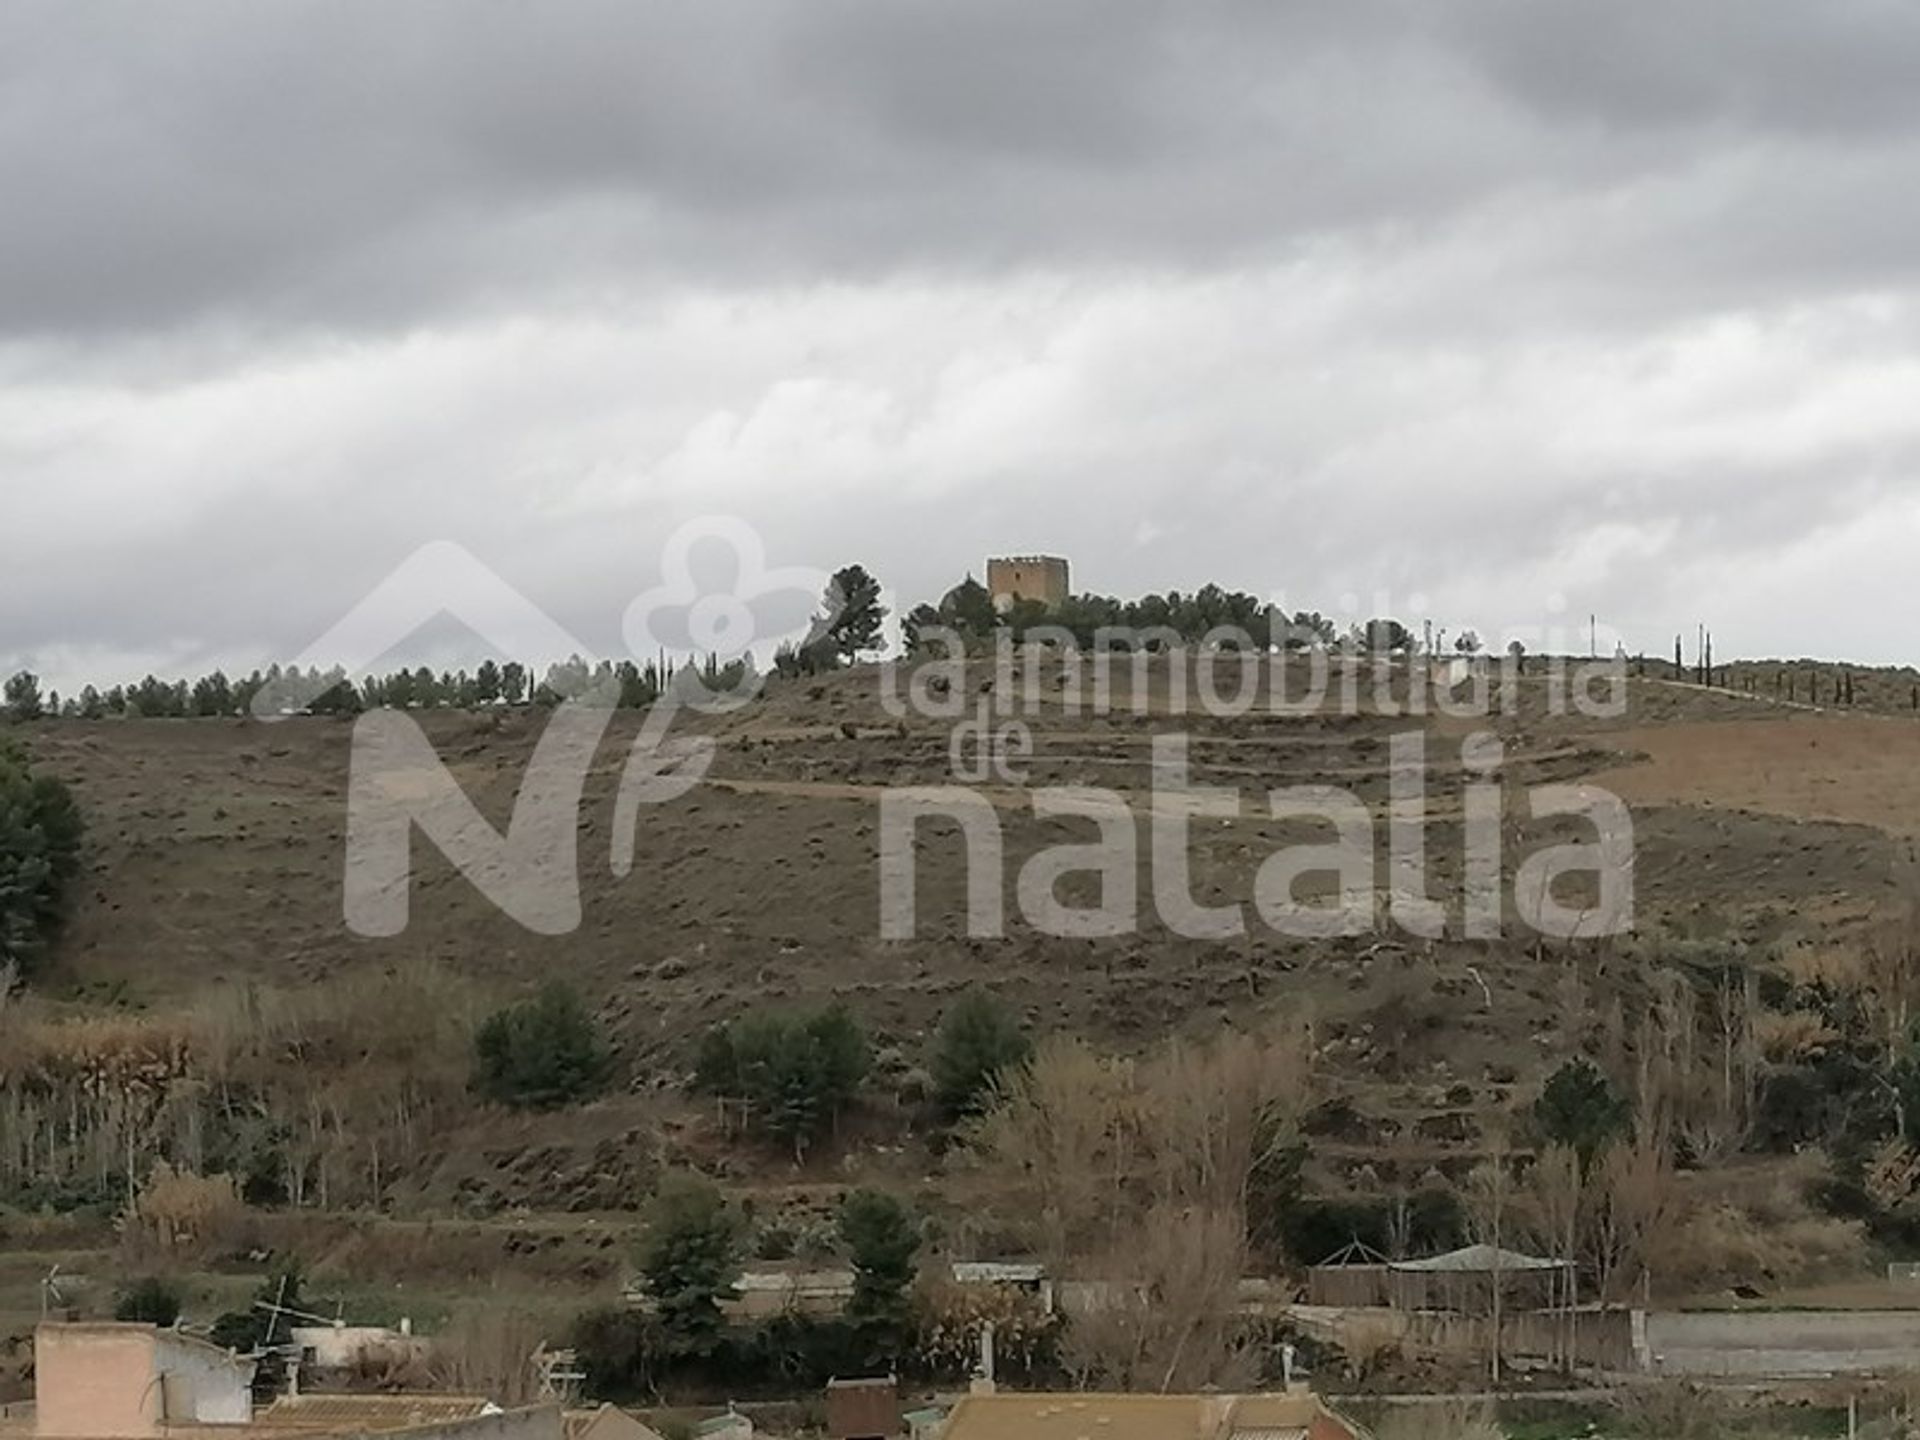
point(1792, 1037)
point(490, 1350)
point(1754, 1225)
point(1671, 1410)
point(1370, 1344)
point(44, 1048)
point(178, 1213)
point(1842, 969)
point(1853, 769)
point(417, 1017)
point(357, 1078)
point(455, 1254)
point(1081, 1145)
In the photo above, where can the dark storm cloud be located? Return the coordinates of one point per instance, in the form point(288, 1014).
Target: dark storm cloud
point(1844, 70)
point(1322, 296)
point(364, 165)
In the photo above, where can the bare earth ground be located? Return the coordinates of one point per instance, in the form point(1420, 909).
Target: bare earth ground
point(1855, 769)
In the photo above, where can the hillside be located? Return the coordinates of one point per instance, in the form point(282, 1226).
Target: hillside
point(1765, 834)
point(217, 854)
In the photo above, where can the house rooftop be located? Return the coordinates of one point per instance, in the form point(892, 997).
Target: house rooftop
point(1478, 1260)
point(1296, 1415)
point(607, 1422)
point(370, 1412)
point(83, 1329)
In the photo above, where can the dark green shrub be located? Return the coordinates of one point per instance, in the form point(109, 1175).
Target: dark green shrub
point(776, 1242)
point(620, 1350)
point(799, 1352)
point(1436, 1221)
point(150, 1301)
point(40, 835)
point(542, 1053)
point(1313, 1229)
point(979, 1040)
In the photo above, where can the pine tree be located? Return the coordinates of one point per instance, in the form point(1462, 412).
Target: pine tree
point(883, 1242)
point(40, 838)
point(513, 682)
point(978, 1042)
point(795, 1073)
point(689, 1261)
point(1579, 1107)
point(853, 613)
point(23, 698)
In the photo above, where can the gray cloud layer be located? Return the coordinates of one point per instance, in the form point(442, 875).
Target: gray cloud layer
point(1492, 301)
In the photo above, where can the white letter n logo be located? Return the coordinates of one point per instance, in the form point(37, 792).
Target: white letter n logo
point(398, 782)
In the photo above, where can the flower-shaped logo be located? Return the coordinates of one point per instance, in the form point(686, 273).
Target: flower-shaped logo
point(718, 599)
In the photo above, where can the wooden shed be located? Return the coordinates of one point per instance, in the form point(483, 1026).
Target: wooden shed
point(863, 1409)
point(1358, 1277)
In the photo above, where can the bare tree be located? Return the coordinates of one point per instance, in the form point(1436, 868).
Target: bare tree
point(1702, 1071)
point(1079, 1144)
point(1637, 1206)
point(1737, 1001)
point(1489, 1203)
point(177, 1211)
point(1160, 1313)
point(1139, 1177)
point(1058, 1148)
point(489, 1350)
point(1555, 1192)
point(1214, 1114)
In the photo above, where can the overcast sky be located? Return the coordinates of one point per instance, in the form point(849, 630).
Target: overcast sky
point(1504, 309)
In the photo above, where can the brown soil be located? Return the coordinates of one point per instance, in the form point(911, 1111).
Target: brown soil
point(1855, 769)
